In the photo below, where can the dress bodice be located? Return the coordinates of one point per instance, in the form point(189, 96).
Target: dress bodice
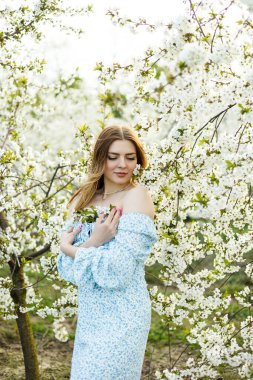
point(131, 245)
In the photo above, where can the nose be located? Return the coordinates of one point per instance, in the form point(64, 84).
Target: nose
point(122, 162)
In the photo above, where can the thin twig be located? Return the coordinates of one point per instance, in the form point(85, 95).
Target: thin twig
point(185, 349)
point(200, 130)
point(241, 134)
point(36, 282)
point(196, 18)
point(212, 42)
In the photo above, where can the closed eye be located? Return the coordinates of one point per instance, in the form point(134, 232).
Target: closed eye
point(114, 158)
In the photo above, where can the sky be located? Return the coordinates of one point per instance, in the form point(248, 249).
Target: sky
point(102, 41)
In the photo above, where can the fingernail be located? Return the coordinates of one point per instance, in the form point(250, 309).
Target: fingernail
point(120, 211)
point(80, 226)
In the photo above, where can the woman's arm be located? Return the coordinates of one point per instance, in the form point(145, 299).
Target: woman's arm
point(103, 231)
point(70, 250)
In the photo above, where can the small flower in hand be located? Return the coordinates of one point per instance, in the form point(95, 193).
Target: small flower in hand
point(90, 214)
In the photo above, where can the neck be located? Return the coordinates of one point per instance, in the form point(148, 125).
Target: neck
point(107, 193)
point(111, 187)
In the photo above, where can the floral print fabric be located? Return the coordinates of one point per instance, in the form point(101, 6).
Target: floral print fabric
point(114, 308)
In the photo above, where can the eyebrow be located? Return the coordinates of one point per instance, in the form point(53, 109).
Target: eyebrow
point(117, 154)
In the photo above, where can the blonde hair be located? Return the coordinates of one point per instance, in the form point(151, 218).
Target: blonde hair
point(95, 178)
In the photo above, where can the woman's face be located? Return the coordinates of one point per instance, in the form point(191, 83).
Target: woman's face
point(120, 162)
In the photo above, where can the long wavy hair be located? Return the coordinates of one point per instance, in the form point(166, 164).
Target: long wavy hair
point(95, 177)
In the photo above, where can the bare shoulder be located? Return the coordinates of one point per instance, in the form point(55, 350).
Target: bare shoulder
point(138, 199)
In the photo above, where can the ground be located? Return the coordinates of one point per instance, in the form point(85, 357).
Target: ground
point(55, 357)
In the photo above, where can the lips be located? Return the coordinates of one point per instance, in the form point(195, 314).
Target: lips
point(120, 173)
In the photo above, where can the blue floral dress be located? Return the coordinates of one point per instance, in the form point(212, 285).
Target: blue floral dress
point(114, 307)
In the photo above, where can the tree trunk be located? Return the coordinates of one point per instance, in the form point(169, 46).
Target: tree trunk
point(18, 294)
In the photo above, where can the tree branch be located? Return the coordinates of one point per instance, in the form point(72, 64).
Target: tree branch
point(38, 253)
point(52, 180)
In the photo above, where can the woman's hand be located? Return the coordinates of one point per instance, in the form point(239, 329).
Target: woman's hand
point(105, 229)
point(67, 237)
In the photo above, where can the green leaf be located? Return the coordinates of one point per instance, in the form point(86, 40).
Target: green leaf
point(244, 109)
point(8, 157)
point(200, 199)
point(203, 141)
point(230, 165)
point(214, 179)
point(182, 65)
point(189, 108)
point(44, 215)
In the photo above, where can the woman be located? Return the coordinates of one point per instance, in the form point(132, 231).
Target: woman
point(105, 259)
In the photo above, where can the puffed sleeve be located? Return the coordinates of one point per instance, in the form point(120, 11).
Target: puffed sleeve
point(65, 263)
point(112, 265)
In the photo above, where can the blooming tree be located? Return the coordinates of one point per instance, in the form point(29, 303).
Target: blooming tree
point(195, 92)
point(32, 184)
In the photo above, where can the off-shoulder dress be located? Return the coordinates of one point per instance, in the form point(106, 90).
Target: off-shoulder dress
point(114, 307)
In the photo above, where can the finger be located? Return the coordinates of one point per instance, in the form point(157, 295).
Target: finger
point(117, 216)
point(111, 215)
point(70, 229)
point(115, 225)
point(79, 229)
point(100, 217)
point(115, 221)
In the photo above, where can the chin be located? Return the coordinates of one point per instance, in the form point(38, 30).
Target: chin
point(121, 180)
